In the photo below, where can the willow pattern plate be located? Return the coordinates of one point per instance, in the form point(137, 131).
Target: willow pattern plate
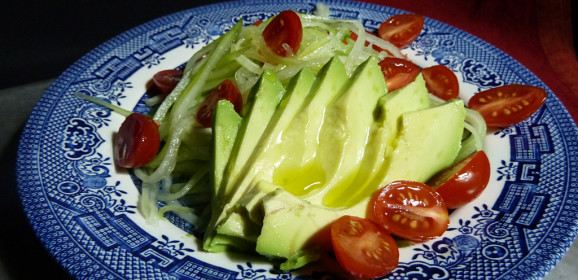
point(84, 210)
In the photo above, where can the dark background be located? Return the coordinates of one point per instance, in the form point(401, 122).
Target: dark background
point(40, 39)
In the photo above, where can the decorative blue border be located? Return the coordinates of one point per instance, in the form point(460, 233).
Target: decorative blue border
point(83, 219)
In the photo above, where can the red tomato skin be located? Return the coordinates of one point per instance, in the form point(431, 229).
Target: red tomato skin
point(508, 105)
point(441, 82)
point(402, 29)
point(225, 90)
point(362, 248)
point(167, 80)
point(395, 207)
point(398, 72)
point(464, 181)
point(284, 28)
point(137, 141)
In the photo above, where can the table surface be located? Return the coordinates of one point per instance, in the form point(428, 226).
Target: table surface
point(22, 256)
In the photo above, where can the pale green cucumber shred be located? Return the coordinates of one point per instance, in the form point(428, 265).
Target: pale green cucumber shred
point(240, 55)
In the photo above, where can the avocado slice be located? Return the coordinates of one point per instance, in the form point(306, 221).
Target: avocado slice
point(294, 126)
point(237, 223)
point(436, 134)
point(299, 171)
point(429, 141)
point(295, 230)
point(347, 127)
point(298, 132)
point(286, 174)
point(269, 152)
point(261, 104)
point(226, 123)
point(384, 131)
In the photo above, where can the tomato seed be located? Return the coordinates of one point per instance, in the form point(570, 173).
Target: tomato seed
point(354, 228)
point(370, 254)
point(404, 220)
point(385, 245)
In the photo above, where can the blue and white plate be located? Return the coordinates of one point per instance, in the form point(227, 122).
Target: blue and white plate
point(84, 209)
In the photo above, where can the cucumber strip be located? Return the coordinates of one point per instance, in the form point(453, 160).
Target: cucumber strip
point(103, 103)
point(196, 73)
point(181, 112)
point(189, 186)
point(190, 98)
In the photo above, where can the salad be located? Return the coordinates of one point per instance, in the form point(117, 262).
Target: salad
point(312, 121)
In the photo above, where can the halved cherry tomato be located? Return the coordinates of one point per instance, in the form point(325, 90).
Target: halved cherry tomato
point(225, 90)
point(362, 248)
point(411, 210)
point(398, 72)
point(463, 181)
point(167, 80)
point(402, 29)
point(284, 29)
point(509, 104)
point(137, 141)
point(441, 82)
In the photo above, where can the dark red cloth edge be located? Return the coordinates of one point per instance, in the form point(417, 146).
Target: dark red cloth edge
point(510, 26)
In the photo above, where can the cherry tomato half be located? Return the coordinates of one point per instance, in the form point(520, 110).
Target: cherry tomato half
point(398, 72)
point(362, 248)
point(167, 80)
point(441, 82)
point(137, 141)
point(401, 30)
point(284, 30)
point(410, 210)
point(508, 105)
point(463, 181)
point(225, 90)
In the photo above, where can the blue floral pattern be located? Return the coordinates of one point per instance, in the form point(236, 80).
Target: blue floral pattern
point(173, 247)
point(85, 211)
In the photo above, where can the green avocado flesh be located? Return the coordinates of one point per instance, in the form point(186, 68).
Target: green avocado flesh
point(303, 155)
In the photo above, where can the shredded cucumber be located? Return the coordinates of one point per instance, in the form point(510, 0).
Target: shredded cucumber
point(475, 129)
point(179, 177)
point(242, 56)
